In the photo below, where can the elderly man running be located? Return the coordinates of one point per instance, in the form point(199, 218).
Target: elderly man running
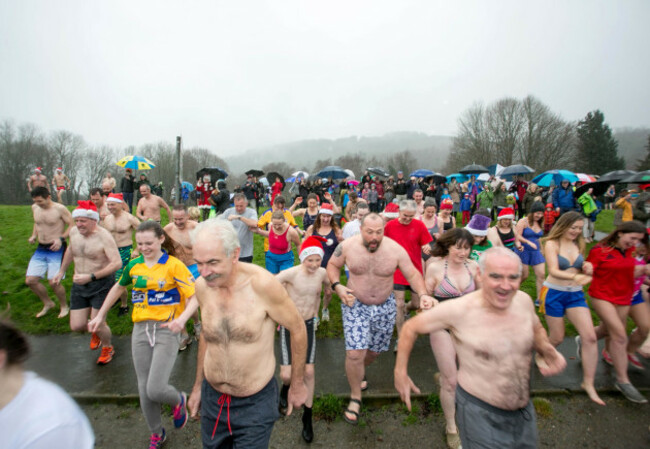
point(368, 302)
point(495, 330)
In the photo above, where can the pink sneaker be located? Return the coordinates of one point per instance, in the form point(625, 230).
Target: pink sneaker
point(635, 362)
point(606, 357)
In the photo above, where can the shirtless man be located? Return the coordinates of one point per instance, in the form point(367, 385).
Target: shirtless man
point(96, 259)
point(98, 197)
point(495, 330)
point(50, 222)
point(110, 181)
point(240, 304)
point(418, 197)
point(149, 205)
point(61, 183)
point(121, 225)
point(368, 302)
point(179, 231)
point(304, 283)
point(37, 179)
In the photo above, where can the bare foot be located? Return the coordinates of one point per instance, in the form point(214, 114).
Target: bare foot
point(591, 392)
point(64, 312)
point(45, 309)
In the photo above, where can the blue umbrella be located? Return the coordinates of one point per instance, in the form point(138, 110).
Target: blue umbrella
point(187, 185)
point(422, 173)
point(291, 179)
point(459, 177)
point(332, 171)
point(556, 176)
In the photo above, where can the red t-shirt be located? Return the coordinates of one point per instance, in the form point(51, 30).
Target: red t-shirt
point(613, 278)
point(411, 237)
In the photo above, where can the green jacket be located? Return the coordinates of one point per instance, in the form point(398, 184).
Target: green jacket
point(588, 204)
point(485, 198)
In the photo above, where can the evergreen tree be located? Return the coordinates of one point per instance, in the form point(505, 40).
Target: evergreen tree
point(644, 164)
point(597, 149)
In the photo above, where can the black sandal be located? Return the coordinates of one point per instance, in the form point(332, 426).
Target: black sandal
point(354, 422)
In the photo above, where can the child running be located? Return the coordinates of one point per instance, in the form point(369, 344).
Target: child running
point(304, 283)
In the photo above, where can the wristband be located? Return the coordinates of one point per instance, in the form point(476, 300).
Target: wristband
point(93, 277)
point(334, 285)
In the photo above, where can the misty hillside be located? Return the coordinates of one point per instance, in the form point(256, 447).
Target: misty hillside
point(430, 150)
point(632, 144)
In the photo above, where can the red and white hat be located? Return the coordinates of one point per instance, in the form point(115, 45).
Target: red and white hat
point(447, 204)
point(506, 214)
point(391, 211)
point(312, 245)
point(59, 169)
point(326, 208)
point(115, 198)
point(38, 169)
point(86, 209)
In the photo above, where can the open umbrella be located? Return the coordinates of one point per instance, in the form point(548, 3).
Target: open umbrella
point(300, 174)
point(473, 169)
point(583, 177)
point(264, 181)
point(187, 185)
point(272, 175)
point(254, 172)
point(136, 163)
point(350, 173)
point(422, 173)
point(215, 173)
point(378, 171)
point(544, 180)
point(333, 171)
point(598, 186)
point(459, 177)
point(353, 182)
point(436, 178)
point(641, 177)
point(515, 170)
point(616, 175)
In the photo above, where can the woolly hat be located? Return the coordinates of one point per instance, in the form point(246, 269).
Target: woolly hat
point(549, 205)
point(326, 208)
point(312, 245)
point(537, 206)
point(506, 214)
point(86, 209)
point(115, 198)
point(478, 225)
point(391, 211)
point(447, 204)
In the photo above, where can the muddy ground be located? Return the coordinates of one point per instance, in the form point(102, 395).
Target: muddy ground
point(563, 422)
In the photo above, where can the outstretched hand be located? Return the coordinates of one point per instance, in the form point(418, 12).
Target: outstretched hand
point(404, 385)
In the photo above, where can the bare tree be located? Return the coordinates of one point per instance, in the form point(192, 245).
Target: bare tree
point(96, 162)
point(402, 161)
point(505, 121)
point(66, 152)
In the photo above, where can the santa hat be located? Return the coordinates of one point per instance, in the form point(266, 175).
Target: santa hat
point(37, 169)
point(506, 214)
point(391, 211)
point(312, 245)
point(59, 169)
point(115, 198)
point(447, 204)
point(326, 208)
point(478, 225)
point(86, 209)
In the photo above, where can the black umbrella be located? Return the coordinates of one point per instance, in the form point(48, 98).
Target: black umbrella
point(599, 187)
point(641, 177)
point(270, 176)
point(256, 173)
point(516, 170)
point(378, 171)
point(616, 175)
point(437, 178)
point(473, 169)
point(215, 173)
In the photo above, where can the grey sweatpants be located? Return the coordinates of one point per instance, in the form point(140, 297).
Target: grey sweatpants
point(154, 351)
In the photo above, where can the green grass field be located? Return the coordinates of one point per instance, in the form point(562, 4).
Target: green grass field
point(16, 226)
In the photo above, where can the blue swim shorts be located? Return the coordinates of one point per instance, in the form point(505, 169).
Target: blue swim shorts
point(369, 326)
point(555, 299)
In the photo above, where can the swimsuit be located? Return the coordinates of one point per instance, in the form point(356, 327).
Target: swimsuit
point(528, 255)
point(329, 245)
point(285, 343)
point(507, 239)
point(446, 290)
point(369, 326)
point(563, 263)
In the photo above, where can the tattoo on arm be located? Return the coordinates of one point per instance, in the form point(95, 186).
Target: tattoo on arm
point(338, 251)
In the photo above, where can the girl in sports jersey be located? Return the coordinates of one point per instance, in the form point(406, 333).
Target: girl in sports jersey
point(162, 285)
point(450, 275)
point(562, 294)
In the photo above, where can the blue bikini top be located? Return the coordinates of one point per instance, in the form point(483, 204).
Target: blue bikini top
point(564, 264)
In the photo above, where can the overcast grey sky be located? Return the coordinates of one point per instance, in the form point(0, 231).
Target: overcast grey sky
point(231, 75)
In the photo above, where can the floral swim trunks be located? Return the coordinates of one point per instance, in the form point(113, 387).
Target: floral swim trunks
point(369, 326)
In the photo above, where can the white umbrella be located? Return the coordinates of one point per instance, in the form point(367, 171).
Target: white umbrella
point(350, 172)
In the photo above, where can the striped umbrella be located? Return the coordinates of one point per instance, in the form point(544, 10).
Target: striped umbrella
point(136, 163)
point(583, 177)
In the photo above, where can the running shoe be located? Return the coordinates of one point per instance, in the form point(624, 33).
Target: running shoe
point(631, 393)
point(453, 440)
point(123, 311)
point(157, 440)
point(325, 315)
point(180, 412)
point(95, 342)
point(185, 342)
point(578, 348)
point(635, 362)
point(606, 357)
point(106, 356)
point(316, 320)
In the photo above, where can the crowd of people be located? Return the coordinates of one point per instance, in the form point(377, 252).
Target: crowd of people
point(408, 267)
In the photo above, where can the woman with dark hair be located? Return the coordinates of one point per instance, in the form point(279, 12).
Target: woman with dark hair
point(34, 412)
point(450, 276)
point(162, 286)
point(611, 291)
point(562, 293)
point(308, 213)
point(529, 230)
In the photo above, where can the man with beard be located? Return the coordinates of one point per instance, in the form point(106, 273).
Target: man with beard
point(368, 302)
